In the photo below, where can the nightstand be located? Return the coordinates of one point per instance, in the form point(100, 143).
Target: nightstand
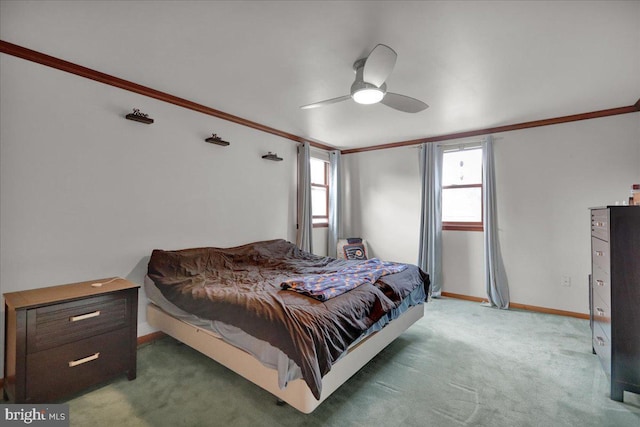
point(62, 339)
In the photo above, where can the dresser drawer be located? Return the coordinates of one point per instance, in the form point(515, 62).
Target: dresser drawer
point(601, 315)
point(600, 255)
point(67, 369)
point(602, 345)
point(601, 283)
point(600, 224)
point(59, 324)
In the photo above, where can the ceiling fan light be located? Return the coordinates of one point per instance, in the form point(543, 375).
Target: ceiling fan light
point(368, 96)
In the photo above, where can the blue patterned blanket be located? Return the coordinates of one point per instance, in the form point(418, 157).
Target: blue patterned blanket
point(325, 286)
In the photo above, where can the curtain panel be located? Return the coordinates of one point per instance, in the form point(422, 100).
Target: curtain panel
point(494, 272)
point(430, 246)
point(305, 222)
point(335, 201)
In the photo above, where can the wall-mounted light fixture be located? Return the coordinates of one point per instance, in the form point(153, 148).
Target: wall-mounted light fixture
point(215, 139)
point(139, 117)
point(272, 156)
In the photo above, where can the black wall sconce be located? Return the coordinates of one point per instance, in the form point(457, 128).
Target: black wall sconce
point(139, 117)
point(272, 156)
point(215, 139)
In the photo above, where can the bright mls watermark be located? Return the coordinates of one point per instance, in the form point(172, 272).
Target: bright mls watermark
point(36, 415)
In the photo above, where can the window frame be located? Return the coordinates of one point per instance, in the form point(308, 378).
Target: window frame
point(326, 186)
point(466, 225)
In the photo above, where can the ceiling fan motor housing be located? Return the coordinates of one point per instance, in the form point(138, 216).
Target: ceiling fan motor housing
point(363, 92)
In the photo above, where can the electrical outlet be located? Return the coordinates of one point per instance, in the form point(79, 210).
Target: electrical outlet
point(566, 281)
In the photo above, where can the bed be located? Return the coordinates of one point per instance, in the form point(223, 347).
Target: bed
point(296, 324)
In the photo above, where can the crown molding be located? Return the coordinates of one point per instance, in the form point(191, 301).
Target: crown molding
point(507, 128)
point(79, 70)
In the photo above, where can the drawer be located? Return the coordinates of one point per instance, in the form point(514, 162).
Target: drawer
point(59, 324)
point(601, 283)
point(600, 255)
point(67, 369)
point(602, 346)
point(601, 315)
point(600, 224)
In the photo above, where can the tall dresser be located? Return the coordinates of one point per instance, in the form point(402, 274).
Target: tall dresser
point(615, 295)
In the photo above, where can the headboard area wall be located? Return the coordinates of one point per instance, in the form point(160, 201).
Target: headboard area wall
point(87, 194)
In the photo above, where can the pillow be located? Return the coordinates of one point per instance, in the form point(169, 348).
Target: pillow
point(340, 252)
point(354, 251)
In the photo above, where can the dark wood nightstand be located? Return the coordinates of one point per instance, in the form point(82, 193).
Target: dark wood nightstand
point(62, 339)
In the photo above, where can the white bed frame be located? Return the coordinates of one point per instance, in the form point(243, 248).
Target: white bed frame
point(297, 393)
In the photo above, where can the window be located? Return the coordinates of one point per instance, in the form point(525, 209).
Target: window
point(462, 189)
point(319, 192)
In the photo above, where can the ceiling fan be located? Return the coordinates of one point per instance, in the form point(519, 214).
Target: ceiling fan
point(370, 87)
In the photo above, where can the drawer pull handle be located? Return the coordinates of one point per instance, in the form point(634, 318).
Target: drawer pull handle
point(599, 253)
point(600, 311)
point(599, 282)
point(84, 316)
point(599, 224)
point(600, 341)
point(84, 360)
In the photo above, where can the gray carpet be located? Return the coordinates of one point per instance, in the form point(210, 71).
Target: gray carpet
point(462, 364)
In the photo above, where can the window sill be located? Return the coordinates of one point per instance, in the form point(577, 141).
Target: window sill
point(324, 225)
point(461, 226)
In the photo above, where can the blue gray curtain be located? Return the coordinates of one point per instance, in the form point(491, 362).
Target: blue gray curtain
point(430, 249)
point(305, 222)
point(335, 197)
point(494, 272)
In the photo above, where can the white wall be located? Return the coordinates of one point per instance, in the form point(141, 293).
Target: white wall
point(86, 194)
point(320, 241)
point(547, 178)
point(382, 202)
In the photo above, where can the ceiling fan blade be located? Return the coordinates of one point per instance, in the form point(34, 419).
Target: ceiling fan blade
point(379, 65)
point(326, 102)
point(403, 103)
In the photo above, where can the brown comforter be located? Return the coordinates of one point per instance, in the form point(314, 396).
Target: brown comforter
point(241, 286)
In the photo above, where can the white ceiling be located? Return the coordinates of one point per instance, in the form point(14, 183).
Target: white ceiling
point(478, 64)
